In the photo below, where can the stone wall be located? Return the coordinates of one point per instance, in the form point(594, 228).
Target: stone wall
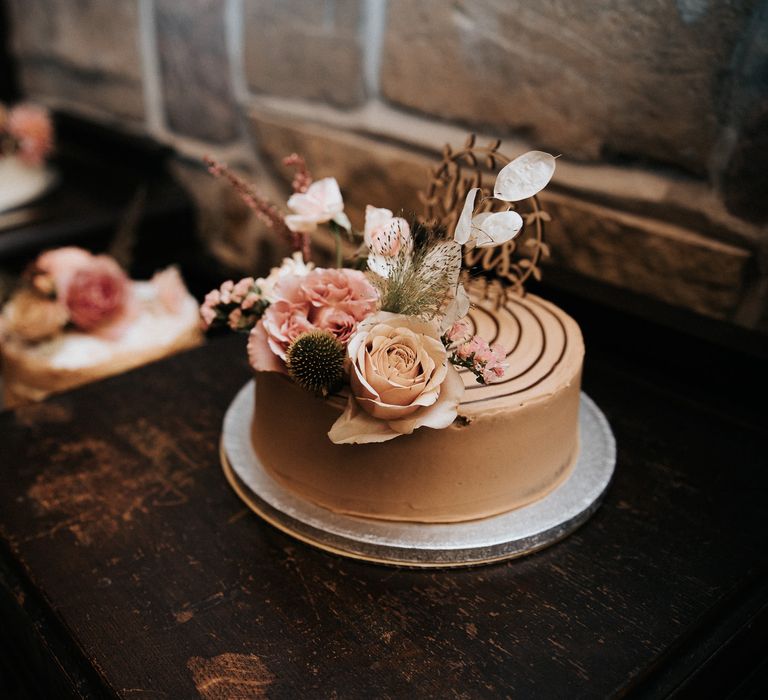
point(659, 110)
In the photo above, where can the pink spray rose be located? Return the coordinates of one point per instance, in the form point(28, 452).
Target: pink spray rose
point(97, 294)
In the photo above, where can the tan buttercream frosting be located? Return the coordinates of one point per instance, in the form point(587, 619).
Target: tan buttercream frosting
point(515, 440)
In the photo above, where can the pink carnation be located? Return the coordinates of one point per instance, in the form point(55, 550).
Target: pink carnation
point(283, 323)
point(329, 299)
point(338, 322)
point(97, 294)
point(347, 290)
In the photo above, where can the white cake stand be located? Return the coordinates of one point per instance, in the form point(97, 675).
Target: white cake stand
point(470, 543)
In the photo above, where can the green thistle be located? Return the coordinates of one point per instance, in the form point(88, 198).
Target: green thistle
point(315, 361)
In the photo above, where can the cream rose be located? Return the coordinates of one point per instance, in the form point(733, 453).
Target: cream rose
point(400, 378)
point(33, 317)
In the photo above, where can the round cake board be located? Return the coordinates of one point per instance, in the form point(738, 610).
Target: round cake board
point(505, 536)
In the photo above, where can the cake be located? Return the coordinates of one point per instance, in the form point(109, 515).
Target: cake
point(399, 387)
point(514, 442)
point(77, 319)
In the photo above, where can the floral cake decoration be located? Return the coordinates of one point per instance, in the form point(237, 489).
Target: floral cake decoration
point(384, 331)
point(72, 289)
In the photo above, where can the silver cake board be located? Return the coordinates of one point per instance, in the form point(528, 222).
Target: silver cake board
point(513, 534)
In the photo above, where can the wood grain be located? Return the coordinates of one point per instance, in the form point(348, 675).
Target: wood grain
point(128, 560)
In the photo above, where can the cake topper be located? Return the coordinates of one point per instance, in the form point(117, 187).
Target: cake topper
point(492, 271)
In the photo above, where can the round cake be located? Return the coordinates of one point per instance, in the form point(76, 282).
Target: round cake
point(32, 371)
point(514, 440)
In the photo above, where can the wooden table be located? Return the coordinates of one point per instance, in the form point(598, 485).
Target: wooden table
point(130, 569)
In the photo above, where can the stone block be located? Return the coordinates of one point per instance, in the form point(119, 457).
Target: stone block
point(195, 71)
point(589, 80)
point(305, 50)
point(80, 53)
point(646, 256)
point(368, 171)
point(667, 262)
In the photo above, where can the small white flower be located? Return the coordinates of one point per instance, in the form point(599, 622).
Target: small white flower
point(321, 203)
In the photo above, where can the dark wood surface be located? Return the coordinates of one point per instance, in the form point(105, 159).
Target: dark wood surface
point(129, 568)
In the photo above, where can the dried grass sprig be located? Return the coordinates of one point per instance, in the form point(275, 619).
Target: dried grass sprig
point(422, 282)
point(261, 206)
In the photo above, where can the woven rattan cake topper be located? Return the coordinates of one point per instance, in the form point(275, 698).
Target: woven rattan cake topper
point(491, 272)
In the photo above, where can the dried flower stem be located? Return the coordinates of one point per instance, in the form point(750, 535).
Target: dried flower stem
point(262, 207)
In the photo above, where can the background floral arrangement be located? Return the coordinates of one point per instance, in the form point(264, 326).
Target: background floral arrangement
point(26, 131)
point(388, 328)
point(72, 288)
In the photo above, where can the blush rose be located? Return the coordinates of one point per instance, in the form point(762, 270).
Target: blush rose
point(400, 379)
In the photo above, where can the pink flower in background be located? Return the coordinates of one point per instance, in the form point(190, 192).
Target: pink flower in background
point(347, 290)
point(321, 203)
point(97, 294)
point(31, 127)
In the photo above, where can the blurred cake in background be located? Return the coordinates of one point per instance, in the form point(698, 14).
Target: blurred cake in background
point(26, 141)
point(77, 317)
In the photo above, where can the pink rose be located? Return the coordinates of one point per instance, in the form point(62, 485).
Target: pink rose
point(97, 294)
point(347, 290)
